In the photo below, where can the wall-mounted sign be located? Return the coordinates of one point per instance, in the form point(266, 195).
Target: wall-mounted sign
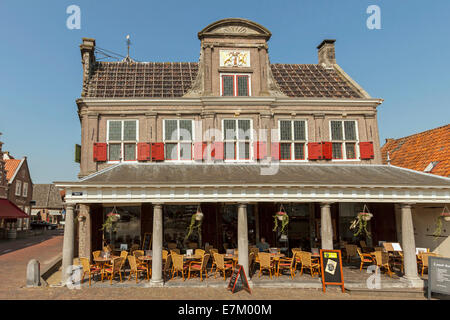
point(234, 58)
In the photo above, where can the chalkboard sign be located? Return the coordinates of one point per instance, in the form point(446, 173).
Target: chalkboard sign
point(331, 266)
point(438, 275)
point(238, 280)
point(147, 241)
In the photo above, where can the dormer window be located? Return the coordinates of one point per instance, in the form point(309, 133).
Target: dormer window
point(235, 85)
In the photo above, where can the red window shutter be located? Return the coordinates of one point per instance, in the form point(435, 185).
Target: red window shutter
point(259, 150)
point(157, 151)
point(327, 150)
point(314, 150)
point(143, 151)
point(199, 150)
point(217, 152)
point(275, 151)
point(100, 151)
point(366, 150)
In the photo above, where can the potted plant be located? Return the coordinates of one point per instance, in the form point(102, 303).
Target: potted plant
point(282, 216)
point(445, 215)
point(360, 223)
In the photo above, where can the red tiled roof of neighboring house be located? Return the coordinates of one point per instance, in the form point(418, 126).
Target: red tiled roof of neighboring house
point(419, 150)
point(174, 79)
point(11, 166)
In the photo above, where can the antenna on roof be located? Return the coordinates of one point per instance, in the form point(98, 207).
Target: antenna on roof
point(127, 58)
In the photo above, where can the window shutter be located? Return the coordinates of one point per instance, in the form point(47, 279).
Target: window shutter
point(217, 153)
point(366, 150)
point(327, 150)
point(143, 151)
point(314, 151)
point(259, 150)
point(157, 151)
point(275, 151)
point(100, 152)
point(199, 150)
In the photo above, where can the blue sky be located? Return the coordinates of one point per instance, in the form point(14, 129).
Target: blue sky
point(405, 63)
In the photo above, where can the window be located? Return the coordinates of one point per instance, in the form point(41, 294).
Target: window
point(18, 187)
point(344, 139)
point(178, 138)
point(122, 140)
point(25, 189)
point(237, 137)
point(292, 139)
point(235, 85)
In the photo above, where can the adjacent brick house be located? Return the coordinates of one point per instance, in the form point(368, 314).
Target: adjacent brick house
point(48, 203)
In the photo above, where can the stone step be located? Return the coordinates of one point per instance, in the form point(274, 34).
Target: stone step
point(388, 292)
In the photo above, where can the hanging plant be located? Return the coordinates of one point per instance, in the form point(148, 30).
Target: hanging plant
point(284, 218)
point(360, 223)
point(445, 215)
point(196, 223)
point(112, 218)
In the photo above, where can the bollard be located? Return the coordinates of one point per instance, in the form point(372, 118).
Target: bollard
point(33, 273)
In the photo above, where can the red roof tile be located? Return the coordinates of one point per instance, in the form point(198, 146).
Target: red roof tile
point(11, 166)
point(419, 150)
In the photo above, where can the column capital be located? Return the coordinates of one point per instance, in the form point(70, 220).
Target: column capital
point(407, 205)
point(70, 206)
point(242, 205)
point(326, 204)
point(157, 205)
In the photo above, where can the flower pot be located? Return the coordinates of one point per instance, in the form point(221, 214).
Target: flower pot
point(446, 218)
point(280, 218)
point(366, 218)
point(198, 216)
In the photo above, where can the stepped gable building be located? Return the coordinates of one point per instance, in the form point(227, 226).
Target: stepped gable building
point(235, 136)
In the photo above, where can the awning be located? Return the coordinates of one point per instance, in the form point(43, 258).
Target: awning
point(9, 210)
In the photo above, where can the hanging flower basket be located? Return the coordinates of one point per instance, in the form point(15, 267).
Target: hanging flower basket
point(445, 215)
point(284, 218)
point(360, 223)
point(199, 216)
point(112, 218)
point(196, 223)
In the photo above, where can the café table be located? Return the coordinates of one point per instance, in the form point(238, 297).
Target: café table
point(102, 261)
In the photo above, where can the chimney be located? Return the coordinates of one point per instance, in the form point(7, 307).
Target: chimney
point(326, 53)
point(87, 49)
point(388, 140)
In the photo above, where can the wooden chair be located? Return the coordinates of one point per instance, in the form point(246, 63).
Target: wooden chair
point(221, 265)
point(351, 252)
point(423, 257)
point(167, 264)
point(382, 261)
point(287, 263)
point(178, 265)
point(135, 269)
point(195, 266)
point(212, 252)
point(199, 252)
point(175, 250)
point(265, 263)
point(133, 248)
point(255, 251)
point(124, 255)
point(251, 263)
point(116, 268)
point(309, 263)
point(96, 254)
point(165, 253)
point(397, 260)
point(89, 269)
point(137, 254)
point(365, 258)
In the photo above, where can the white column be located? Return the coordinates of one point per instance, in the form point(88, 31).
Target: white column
point(409, 248)
point(243, 237)
point(326, 228)
point(68, 243)
point(157, 242)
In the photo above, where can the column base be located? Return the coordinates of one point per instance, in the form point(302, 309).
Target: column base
point(412, 282)
point(156, 283)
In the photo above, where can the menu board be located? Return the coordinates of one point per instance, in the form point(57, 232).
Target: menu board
point(238, 280)
point(438, 275)
point(331, 267)
point(147, 241)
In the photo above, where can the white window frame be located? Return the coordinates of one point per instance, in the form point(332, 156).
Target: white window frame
point(25, 189)
point(178, 141)
point(237, 141)
point(18, 188)
point(122, 142)
point(344, 148)
point(293, 141)
point(235, 84)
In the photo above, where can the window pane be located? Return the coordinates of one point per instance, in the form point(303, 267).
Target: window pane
point(115, 131)
point(227, 89)
point(350, 150)
point(170, 130)
point(186, 130)
point(299, 130)
point(337, 150)
point(186, 151)
point(129, 130)
point(244, 129)
point(336, 130)
point(230, 129)
point(242, 82)
point(244, 151)
point(350, 130)
point(130, 151)
point(285, 130)
point(285, 151)
point(230, 151)
point(114, 152)
point(299, 151)
point(171, 151)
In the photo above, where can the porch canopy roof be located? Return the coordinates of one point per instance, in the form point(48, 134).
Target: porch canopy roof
point(242, 182)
